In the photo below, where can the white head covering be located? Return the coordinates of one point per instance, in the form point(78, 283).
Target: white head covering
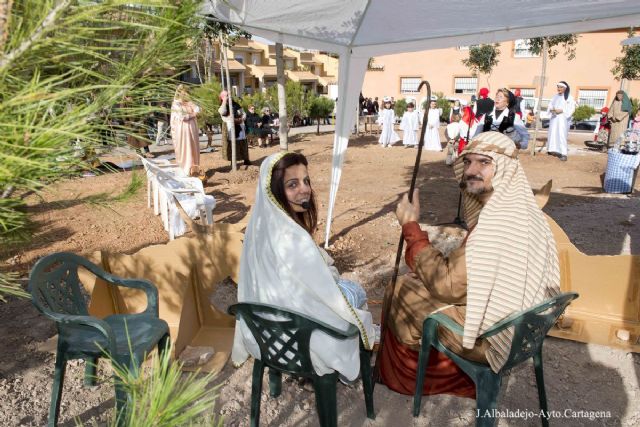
point(281, 265)
point(511, 255)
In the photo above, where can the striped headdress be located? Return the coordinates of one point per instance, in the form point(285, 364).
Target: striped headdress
point(511, 255)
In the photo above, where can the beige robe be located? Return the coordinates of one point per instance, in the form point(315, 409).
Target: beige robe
point(619, 121)
point(185, 135)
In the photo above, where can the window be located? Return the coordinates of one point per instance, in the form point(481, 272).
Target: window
point(239, 58)
point(595, 98)
point(525, 92)
point(468, 85)
point(467, 47)
point(255, 58)
point(409, 84)
point(288, 64)
point(522, 49)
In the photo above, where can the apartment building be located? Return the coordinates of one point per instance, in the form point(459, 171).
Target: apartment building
point(588, 74)
point(252, 67)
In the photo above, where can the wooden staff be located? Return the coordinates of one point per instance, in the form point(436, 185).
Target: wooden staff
point(386, 305)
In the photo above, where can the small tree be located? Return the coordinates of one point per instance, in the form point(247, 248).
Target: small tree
point(400, 107)
point(583, 112)
point(628, 65)
point(482, 59)
point(320, 107)
point(207, 96)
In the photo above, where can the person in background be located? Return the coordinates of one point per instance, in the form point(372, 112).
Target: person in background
point(635, 123)
point(387, 119)
point(234, 123)
point(561, 109)
point(432, 134)
point(265, 128)
point(619, 113)
point(519, 104)
point(251, 122)
point(484, 105)
point(504, 119)
point(184, 132)
point(455, 109)
point(410, 125)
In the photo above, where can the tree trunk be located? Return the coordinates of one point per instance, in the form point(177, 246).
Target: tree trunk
point(282, 99)
point(232, 131)
point(318, 123)
point(543, 78)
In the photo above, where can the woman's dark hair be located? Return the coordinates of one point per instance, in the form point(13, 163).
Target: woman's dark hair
point(307, 219)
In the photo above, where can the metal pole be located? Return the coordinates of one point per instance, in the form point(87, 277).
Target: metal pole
point(543, 78)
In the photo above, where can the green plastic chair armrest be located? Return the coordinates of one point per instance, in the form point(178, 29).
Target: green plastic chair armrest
point(447, 322)
point(93, 322)
point(149, 289)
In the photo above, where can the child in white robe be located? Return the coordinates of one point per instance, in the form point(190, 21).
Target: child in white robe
point(410, 124)
point(432, 134)
point(387, 119)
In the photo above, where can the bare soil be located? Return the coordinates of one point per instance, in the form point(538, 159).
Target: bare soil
point(364, 240)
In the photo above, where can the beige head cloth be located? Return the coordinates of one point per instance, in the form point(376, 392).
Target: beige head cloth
point(511, 255)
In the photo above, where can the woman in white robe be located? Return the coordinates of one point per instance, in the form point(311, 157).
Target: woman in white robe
point(561, 109)
point(410, 125)
point(387, 119)
point(281, 265)
point(184, 132)
point(432, 134)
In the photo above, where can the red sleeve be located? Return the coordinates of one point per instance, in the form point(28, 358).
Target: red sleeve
point(416, 240)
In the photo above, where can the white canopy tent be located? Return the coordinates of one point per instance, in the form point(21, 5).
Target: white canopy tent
point(360, 29)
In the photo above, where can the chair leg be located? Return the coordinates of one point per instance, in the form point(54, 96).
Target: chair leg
point(367, 382)
point(487, 390)
point(326, 404)
point(164, 344)
point(90, 371)
point(122, 396)
point(256, 391)
point(542, 395)
point(275, 382)
point(56, 390)
point(428, 335)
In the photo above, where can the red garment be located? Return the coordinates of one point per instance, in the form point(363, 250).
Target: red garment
point(484, 92)
point(399, 368)
point(399, 363)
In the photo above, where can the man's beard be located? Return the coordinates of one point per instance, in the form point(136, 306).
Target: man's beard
point(476, 191)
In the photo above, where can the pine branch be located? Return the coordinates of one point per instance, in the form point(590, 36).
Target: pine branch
point(40, 32)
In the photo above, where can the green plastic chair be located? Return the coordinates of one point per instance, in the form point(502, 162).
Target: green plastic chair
point(284, 347)
point(127, 338)
point(530, 328)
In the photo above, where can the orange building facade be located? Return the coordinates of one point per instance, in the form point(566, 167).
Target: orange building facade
point(588, 74)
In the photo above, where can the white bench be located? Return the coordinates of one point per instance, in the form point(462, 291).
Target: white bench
point(169, 186)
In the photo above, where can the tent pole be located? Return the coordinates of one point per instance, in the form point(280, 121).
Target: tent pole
point(386, 305)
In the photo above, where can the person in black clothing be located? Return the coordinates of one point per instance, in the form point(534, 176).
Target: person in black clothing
point(265, 128)
point(484, 105)
point(235, 122)
point(251, 123)
point(517, 93)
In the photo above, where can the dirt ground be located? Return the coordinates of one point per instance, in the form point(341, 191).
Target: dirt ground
point(365, 233)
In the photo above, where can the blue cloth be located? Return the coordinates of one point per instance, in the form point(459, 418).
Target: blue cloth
point(621, 169)
point(356, 296)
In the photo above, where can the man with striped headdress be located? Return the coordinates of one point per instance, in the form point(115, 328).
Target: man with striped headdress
point(508, 262)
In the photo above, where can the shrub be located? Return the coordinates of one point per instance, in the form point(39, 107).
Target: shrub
point(583, 112)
